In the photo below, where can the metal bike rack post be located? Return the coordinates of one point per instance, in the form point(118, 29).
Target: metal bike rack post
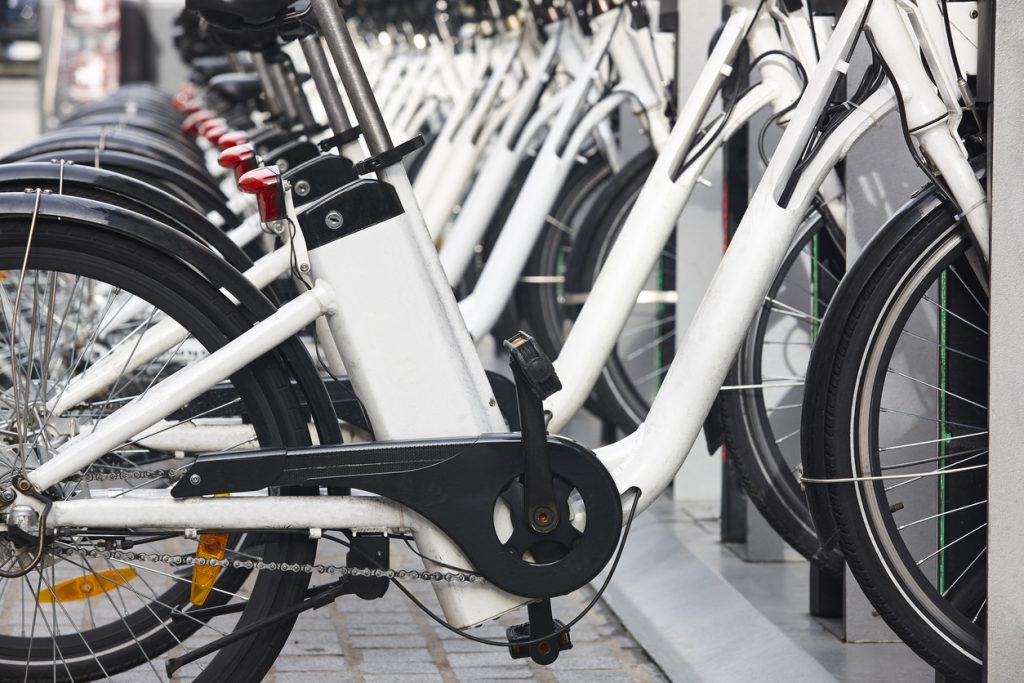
point(697, 485)
point(1004, 655)
point(736, 192)
point(741, 522)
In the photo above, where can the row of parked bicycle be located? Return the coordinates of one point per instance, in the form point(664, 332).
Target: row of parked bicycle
point(271, 286)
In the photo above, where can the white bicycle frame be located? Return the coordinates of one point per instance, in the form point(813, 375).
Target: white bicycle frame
point(384, 286)
point(521, 127)
point(566, 135)
point(457, 147)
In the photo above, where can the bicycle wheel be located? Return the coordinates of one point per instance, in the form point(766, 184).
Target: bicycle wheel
point(541, 290)
point(898, 403)
point(762, 397)
point(632, 375)
point(85, 613)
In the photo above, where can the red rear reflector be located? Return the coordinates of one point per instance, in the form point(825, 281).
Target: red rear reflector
point(190, 126)
point(184, 103)
point(215, 133)
point(212, 123)
point(234, 155)
point(232, 138)
point(240, 158)
point(268, 186)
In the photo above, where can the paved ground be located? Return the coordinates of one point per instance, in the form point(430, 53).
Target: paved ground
point(392, 640)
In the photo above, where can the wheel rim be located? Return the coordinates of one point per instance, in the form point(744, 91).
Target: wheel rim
point(772, 365)
point(912, 541)
point(45, 336)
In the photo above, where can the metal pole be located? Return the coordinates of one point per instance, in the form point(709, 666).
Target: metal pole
point(280, 80)
point(306, 118)
point(364, 104)
point(1004, 656)
point(320, 70)
point(269, 87)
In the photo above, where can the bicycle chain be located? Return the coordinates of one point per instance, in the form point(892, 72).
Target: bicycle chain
point(328, 569)
point(100, 474)
point(190, 561)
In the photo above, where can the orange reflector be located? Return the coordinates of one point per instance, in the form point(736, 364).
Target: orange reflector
point(211, 547)
point(89, 586)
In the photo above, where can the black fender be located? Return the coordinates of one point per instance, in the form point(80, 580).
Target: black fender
point(121, 190)
point(925, 203)
point(162, 111)
point(141, 121)
point(163, 175)
point(136, 227)
point(118, 140)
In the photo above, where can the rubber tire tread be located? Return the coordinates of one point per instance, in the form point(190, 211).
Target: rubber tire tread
point(845, 329)
point(130, 257)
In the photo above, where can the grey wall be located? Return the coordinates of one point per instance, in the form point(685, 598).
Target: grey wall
point(1005, 660)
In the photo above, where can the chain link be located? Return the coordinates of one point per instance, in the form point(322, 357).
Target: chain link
point(101, 474)
point(327, 569)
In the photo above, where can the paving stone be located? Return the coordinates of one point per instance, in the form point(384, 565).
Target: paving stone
point(395, 668)
point(507, 673)
point(304, 647)
point(306, 677)
point(406, 678)
point(310, 663)
point(398, 654)
point(582, 676)
point(463, 645)
point(588, 663)
point(371, 629)
point(361, 642)
point(457, 659)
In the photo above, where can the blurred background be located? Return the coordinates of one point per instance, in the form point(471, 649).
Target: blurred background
point(57, 54)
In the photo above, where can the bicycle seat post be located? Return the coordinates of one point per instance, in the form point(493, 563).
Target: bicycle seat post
point(313, 50)
point(269, 86)
point(353, 77)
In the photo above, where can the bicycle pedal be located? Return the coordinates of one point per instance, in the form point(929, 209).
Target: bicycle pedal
point(544, 652)
point(537, 368)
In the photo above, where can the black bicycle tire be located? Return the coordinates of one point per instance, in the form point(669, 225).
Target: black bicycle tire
point(135, 263)
point(754, 456)
point(847, 330)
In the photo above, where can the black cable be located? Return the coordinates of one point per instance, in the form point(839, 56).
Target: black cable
point(557, 632)
point(802, 73)
point(949, 39)
point(814, 31)
point(823, 126)
point(835, 114)
point(905, 129)
point(540, 639)
point(722, 119)
point(407, 540)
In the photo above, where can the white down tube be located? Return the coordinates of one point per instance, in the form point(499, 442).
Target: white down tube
point(554, 162)
point(502, 160)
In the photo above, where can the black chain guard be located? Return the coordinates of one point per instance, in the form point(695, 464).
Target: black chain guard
point(455, 484)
